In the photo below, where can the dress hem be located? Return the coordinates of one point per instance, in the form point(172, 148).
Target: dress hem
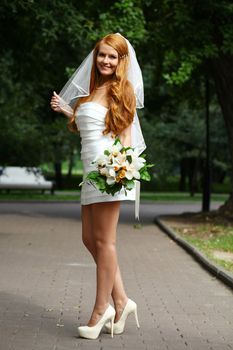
point(106, 201)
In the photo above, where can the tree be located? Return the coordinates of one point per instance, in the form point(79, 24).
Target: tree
point(47, 41)
point(193, 38)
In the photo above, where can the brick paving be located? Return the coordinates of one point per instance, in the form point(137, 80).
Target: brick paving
point(47, 286)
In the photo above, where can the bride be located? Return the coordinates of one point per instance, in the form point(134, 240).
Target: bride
point(100, 101)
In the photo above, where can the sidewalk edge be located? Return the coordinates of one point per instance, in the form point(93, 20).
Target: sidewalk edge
point(217, 271)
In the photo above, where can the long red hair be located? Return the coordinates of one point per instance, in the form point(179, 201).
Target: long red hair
point(120, 95)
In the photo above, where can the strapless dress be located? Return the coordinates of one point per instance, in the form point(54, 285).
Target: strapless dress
point(90, 120)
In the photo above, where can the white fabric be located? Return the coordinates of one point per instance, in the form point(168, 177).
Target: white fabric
point(79, 85)
point(90, 119)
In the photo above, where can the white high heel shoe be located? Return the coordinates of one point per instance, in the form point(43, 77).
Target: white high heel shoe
point(119, 326)
point(93, 332)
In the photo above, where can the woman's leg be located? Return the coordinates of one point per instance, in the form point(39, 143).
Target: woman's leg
point(118, 293)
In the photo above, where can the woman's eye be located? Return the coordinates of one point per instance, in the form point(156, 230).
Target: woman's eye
point(112, 57)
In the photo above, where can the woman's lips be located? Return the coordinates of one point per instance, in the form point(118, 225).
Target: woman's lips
point(104, 67)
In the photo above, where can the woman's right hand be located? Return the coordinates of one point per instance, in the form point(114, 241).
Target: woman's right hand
point(55, 102)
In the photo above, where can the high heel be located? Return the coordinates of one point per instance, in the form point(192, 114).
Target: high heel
point(93, 332)
point(119, 326)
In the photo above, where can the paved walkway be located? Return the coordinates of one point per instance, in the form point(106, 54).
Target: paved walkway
point(47, 281)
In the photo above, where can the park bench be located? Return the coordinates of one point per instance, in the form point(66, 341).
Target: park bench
point(22, 178)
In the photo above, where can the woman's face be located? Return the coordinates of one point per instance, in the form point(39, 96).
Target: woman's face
point(107, 60)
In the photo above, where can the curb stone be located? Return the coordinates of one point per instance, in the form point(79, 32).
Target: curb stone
point(220, 273)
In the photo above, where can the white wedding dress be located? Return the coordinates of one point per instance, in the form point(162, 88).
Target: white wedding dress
point(90, 120)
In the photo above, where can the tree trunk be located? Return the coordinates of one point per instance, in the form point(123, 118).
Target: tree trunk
point(227, 208)
point(206, 193)
point(222, 72)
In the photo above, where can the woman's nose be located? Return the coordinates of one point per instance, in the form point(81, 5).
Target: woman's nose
point(106, 59)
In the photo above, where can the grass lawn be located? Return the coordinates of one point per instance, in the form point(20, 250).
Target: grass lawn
point(75, 195)
point(212, 235)
point(38, 196)
point(77, 168)
point(179, 196)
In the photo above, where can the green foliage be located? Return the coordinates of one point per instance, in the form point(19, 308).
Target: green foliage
point(44, 42)
point(189, 33)
point(184, 71)
point(19, 125)
point(178, 133)
point(97, 180)
point(126, 17)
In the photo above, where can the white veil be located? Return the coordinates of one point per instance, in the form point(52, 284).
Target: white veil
point(79, 84)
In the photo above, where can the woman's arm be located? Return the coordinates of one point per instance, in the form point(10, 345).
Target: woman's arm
point(58, 105)
point(67, 110)
point(125, 136)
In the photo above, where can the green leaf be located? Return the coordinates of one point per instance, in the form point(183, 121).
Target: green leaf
point(145, 176)
point(150, 165)
point(100, 182)
point(130, 184)
point(92, 175)
point(143, 155)
point(117, 140)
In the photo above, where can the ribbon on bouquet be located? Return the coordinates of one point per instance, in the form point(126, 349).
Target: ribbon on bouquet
point(137, 199)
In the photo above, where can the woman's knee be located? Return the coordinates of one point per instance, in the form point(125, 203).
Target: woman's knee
point(88, 242)
point(105, 245)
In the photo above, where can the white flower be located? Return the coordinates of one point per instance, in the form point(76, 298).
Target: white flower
point(115, 149)
point(131, 172)
point(130, 152)
point(110, 180)
point(107, 171)
point(111, 171)
point(120, 158)
point(104, 171)
point(132, 169)
point(118, 163)
point(137, 162)
point(101, 160)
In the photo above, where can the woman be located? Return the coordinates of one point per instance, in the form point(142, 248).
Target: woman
point(106, 110)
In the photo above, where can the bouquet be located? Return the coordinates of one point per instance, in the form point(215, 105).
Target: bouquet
point(118, 168)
